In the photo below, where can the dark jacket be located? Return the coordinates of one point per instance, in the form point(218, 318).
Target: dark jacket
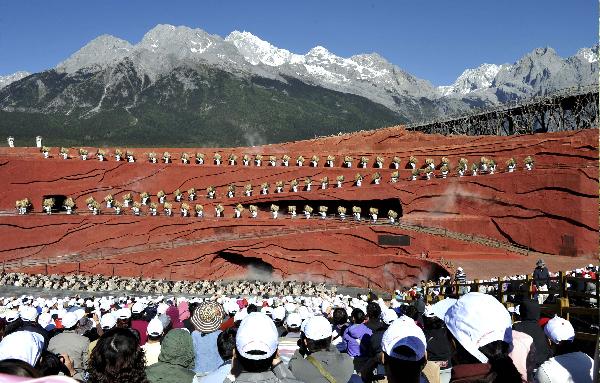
point(438, 347)
point(530, 314)
point(176, 359)
point(541, 276)
point(378, 328)
point(339, 365)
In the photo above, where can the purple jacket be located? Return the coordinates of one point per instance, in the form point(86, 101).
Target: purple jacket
point(353, 339)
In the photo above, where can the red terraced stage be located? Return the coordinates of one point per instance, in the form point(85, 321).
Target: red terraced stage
point(491, 224)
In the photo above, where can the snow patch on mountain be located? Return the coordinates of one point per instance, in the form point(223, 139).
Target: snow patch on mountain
point(471, 80)
point(257, 51)
point(9, 79)
point(589, 54)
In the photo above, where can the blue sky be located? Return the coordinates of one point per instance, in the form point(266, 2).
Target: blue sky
point(434, 40)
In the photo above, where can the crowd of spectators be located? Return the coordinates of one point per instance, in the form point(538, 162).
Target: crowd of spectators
point(543, 285)
point(286, 338)
point(100, 283)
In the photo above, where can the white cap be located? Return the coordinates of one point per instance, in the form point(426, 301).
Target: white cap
point(231, 307)
point(11, 315)
point(155, 327)
point(440, 308)
point(29, 313)
point(80, 313)
point(477, 319)
point(304, 312)
point(404, 332)
point(257, 337)
point(388, 316)
point(138, 307)
point(279, 313)
point(123, 313)
point(558, 329)
point(240, 315)
point(317, 328)
point(108, 321)
point(293, 320)
point(290, 307)
point(45, 319)
point(69, 320)
point(162, 308)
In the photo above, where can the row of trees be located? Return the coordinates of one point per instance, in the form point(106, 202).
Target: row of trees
point(259, 160)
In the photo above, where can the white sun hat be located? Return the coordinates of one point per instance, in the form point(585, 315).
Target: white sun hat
point(440, 308)
point(477, 319)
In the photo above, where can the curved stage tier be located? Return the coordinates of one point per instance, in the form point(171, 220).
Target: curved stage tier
point(491, 224)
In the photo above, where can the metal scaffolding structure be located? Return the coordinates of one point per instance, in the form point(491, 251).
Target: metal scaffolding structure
point(568, 109)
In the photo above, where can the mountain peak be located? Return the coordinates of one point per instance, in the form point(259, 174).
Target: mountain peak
point(472, 79)
point(589, 54)
point(319, 51)
point(99, 52)
point(256, 51)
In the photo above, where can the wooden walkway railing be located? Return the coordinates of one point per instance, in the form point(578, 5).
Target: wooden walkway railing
point(575, 296)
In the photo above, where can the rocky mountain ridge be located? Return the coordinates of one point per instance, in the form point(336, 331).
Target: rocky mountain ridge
point(184, 70)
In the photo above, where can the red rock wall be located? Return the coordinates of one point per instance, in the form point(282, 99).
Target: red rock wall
point(553, 209)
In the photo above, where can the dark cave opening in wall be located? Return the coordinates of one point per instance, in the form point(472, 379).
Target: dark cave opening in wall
point(59, 201)
point(255, 268)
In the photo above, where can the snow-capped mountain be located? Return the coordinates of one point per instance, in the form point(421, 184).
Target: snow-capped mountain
point(471, 80)
point(9, 79)
point(193, 77)
point(166, 47)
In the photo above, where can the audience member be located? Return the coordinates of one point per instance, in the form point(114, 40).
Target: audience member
point(541, 280)
point(138, 322)
point(155, 332)
point(225, 345)
point(176, 359)
point(207, 319)
point(70, 343)
point(480, 335)
point(323, 363)
point(567, 365)
point(107, 322)
point(117, 358)
point(22, 345)
point(403, 352)
point(288, 344)
point(529, 312)
point(255, 357)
